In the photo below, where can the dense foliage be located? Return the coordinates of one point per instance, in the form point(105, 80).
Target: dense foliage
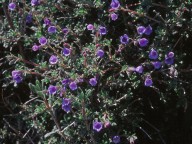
point(95, 71)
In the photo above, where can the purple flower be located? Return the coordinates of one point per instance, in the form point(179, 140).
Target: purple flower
point(17, 76)
point(65, 31)
point(157, 64)
point(169, 61)
point(35, 47)
point(29, 18)
point(140, 30)
point(66, 101)
point(35, 2)
point(43, 41)
point(170, 54)
point(148, 81)
point(143, 42)
point(148, 30)
point(116, 139)
point(52, 89)
point(53, 59)
point(115, 4)
point(114, 16)
point(52, 29)
point(124, 39)
point(66, 51)
point(102, 30)
point(47, 21)
point(73, 86)
point(100, 53)
point(90, 27)
point(12, 6)
point(139, 69)
point(97, 126)
point(153, 54)
point(65, 81)
point(66, 108)
point(93, 81)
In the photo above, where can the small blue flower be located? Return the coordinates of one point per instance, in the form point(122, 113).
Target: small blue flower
point(47, 21)
point(148, 30)
point(66, 51)
point(35, 47)
point(90, 27)
point(115, 4)
point(139, 69)
point(100, 53)
point(65, 31)
point(29, 18)
point(116, 139)
point(97, 126)
point(153, 54)
point(17, 76)
point(53, 59)
point(12, 6)
point(157, 64)
point(114, 16)
point(52, 89)
point(148, 81)
point(141, 30)
point(93, 81)
point(43, 41)
point(35, 2)
point(124, 39)
point(143, 42)
point(102, 30)
point(73, 86)
point(52, 29)
point(169, 61)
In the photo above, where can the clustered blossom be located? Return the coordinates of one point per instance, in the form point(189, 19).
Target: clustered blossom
point(73, 85)
point(43, 41)
point(90, 27)
point(93, 81)
point(52, 89)
point(100, 53)
point(124, 39)
point(66, 105)
point(17, 76)
point(97, 126)
point(12, 6)
point(115, 4)
point(116, 139)
point(53, 60)
point(144, 30)
point(52, 29)
point(114, 16)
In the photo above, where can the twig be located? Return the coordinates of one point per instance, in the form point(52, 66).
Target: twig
point(8, 16)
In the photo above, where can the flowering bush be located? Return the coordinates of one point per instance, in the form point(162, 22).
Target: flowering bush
point(92, 65)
